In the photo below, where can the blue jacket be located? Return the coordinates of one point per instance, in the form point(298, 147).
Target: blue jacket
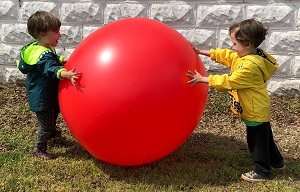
point(43, 68)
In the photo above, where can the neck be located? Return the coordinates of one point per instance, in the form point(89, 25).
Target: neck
point(252, 51)
point(41, 43)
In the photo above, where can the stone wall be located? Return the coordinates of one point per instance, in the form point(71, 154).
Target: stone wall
point(204, 23)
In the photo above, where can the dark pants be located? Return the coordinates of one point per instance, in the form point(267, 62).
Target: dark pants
point(262, 147)
point(47, 122)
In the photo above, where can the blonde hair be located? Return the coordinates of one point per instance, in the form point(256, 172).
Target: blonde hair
point(42, 21)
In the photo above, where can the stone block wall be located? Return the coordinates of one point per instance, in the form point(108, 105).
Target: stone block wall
point(204, 23)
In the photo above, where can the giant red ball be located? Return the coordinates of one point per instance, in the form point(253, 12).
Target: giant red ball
point(132, 104)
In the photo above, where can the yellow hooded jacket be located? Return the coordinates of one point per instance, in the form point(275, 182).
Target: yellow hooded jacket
point(247, 82)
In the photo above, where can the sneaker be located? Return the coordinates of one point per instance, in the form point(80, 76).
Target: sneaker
point(55, 133)
point(42, 154)
point(253, 177)
point(279, 166)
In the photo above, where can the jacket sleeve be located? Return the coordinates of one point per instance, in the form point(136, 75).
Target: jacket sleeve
point(61, 59)
point(223, 56)
point(241, 78)
point(49, 65)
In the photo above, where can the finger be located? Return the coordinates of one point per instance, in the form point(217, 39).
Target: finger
point(193, 83)
point(190, 81)
point(190, 75)
point(73, 82)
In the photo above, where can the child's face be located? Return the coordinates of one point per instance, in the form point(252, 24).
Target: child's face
point(50, 38)
point(239, 48)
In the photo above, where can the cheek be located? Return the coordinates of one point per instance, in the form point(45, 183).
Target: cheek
point(238, 48)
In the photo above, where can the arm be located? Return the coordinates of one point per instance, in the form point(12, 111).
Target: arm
point(201, 52)
point(223, 56)
point(48, 66)
point(62, 60)
point(204, 52)
point(239, 79)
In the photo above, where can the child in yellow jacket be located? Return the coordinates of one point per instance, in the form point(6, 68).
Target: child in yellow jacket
point(250, 69)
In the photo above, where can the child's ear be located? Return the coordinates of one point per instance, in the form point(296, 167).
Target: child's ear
point(248, 45)
point(42, 34)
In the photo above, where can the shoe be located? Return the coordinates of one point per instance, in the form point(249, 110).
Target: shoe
point(253, 177)
point(279, 166)
point(42, 154)
point(55, 133)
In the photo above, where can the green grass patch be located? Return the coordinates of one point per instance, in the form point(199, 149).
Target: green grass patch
point(212, 158)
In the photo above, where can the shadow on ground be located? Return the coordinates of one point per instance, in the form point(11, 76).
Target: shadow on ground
point(202, 159)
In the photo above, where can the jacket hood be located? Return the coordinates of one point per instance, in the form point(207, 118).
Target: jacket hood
point(32, 52)
point(265, 62)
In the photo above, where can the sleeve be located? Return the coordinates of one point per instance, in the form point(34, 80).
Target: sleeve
point(223, 56)
point(49, 66)
point(61, 59)
point(241, 78)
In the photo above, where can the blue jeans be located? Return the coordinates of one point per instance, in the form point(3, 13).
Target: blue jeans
point(262, 147)
point(47, 122)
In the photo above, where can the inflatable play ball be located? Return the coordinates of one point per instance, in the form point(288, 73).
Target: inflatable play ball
point(132, 104)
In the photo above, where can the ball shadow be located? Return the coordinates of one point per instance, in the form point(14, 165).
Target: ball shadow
point(204, 159)
point(73, 150)
point(198, 161)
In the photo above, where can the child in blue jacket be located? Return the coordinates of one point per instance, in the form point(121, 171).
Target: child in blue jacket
point(44, 69)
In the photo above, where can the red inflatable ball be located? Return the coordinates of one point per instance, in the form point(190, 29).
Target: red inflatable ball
point(132, 104)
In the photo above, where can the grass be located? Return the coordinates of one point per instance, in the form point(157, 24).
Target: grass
point(212, 158)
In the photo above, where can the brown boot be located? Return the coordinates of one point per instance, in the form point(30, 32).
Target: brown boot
point(42, 154)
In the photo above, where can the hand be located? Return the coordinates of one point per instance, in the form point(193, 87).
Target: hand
point(64, 61)
point(195, 48)
point(196, 78)
point(72, 75)
point(200, 51)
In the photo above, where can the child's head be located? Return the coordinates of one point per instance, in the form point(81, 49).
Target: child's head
point(249, 32)
point(41, 22)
